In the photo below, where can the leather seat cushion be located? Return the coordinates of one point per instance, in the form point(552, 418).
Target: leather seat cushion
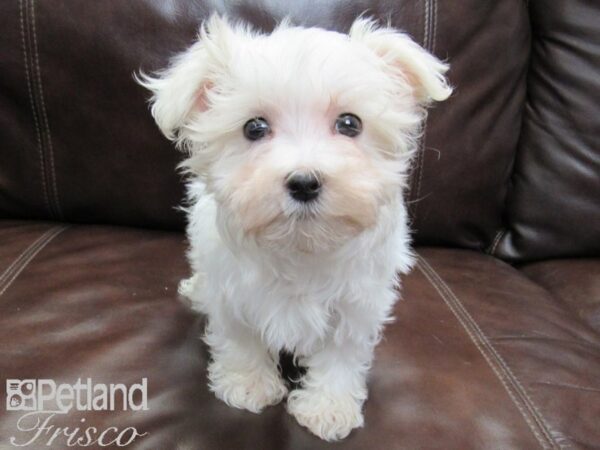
point(479, 356)
point(574, 281)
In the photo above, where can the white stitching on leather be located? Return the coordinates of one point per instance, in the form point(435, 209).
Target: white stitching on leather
point(19, 264)
point(500, 368)
point(431, 48)
point(33, 108)
point(435, 21)
point(23, 254)
point(496, 241)
point(54, 197)
point(426, 25)
point(428, 43)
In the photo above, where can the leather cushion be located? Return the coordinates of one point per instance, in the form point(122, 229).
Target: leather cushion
point(479, 356)
point(554, 207)
point(574, 281)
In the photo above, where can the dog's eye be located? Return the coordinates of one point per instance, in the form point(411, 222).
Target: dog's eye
point(256, 129)
point(348, 124)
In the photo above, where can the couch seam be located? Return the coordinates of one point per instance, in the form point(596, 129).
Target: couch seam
point(512, 385)
point(24, 19)
point(22, 255)
point(429, 36)
point(21, 262)
point(507, 223)
point(431, 48)
point(434, 24)
point(496, 241)
point(417, 158)
point(44, 117)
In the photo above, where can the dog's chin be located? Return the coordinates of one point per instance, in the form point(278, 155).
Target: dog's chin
point(287, 227)
point(307, 230)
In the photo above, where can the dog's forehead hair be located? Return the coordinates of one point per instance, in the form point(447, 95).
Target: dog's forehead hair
point(303, 56)
point(306, 64)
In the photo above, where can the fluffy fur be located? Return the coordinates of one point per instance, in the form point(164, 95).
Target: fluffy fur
point(317, 279)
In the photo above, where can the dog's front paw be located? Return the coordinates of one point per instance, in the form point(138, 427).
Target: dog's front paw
point(252, 389)
point(191, 289)
point(328, 416)
point(186, 286)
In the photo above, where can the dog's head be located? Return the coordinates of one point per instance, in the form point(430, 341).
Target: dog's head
point(301, 135)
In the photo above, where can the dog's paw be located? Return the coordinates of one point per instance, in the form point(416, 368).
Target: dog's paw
point(190, 288)
point(252, 389)
point(329, 417)
point(187, 286)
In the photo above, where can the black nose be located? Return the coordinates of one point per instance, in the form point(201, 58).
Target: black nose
point(303, 187)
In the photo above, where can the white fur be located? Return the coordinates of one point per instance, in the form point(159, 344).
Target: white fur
point(318, 280)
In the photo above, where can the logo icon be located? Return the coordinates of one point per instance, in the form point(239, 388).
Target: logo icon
point(20, 395)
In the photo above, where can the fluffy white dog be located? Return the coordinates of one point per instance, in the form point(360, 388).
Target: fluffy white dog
point(299, 142)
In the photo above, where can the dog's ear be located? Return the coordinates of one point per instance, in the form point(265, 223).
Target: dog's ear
point(405, 59)
point(180, 90)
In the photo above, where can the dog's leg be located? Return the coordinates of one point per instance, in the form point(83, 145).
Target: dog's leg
point(334, 390)
point(242, 373)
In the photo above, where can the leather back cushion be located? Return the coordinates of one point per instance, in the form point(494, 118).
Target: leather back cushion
point(554, 207)
point(77, 142)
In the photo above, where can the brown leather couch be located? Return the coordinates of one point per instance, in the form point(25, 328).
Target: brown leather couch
point(497, 339)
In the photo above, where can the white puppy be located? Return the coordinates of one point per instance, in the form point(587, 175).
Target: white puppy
point(299, 142)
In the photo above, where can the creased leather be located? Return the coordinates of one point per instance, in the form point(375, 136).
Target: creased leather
point(554, 207)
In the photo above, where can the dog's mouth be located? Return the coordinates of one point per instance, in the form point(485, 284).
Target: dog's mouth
point(310, 227)
point(304, 211)
point(315, 213)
